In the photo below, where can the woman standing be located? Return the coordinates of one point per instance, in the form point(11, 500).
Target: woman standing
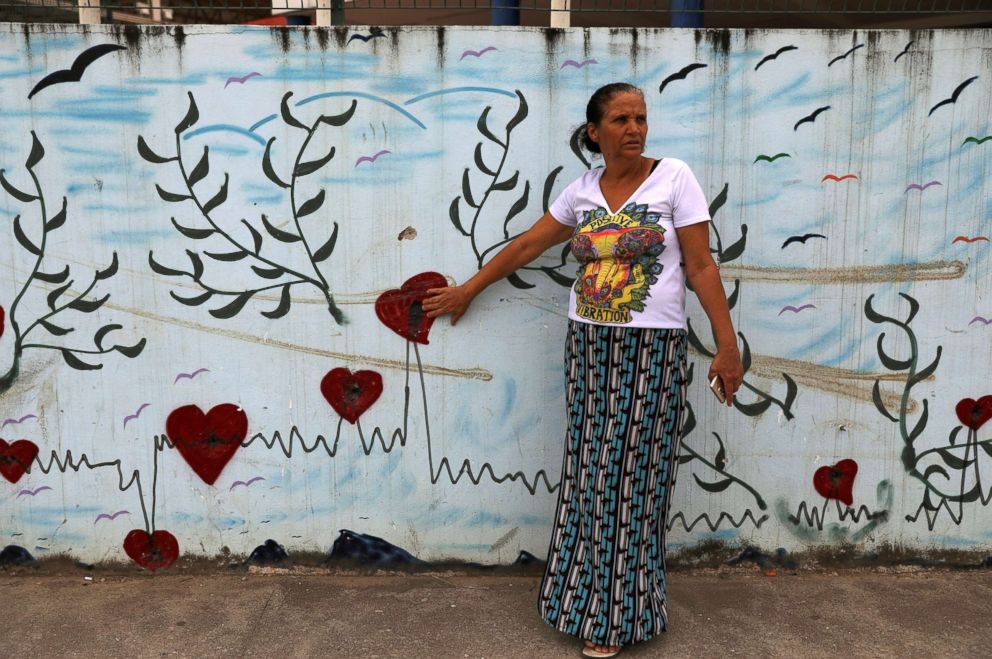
point(639, 228)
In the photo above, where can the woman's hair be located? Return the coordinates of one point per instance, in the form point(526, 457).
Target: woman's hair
point(597, 105)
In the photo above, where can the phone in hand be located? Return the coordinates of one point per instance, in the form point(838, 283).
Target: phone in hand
point(716, 385)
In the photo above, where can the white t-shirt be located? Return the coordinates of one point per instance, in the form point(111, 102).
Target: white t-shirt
point(630, 265)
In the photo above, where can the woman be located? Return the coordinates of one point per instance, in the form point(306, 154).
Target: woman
point(625, 369)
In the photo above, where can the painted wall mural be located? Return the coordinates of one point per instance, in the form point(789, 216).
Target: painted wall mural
point(216, 242)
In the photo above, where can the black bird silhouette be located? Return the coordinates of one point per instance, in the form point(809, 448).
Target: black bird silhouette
point(904, 51)
point(75, 72)
point(811, 118)
point(840, 57)
point(373, 33)
point(954, 95)
point(801, 239)
point(768, 58)
point(682, 73)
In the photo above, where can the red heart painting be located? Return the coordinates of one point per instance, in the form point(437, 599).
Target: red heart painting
point(974, 413)
point(152, 552)
point(837, 481)
point(400, 309)
point(16, 458)
point(350, 394)
point(207, 441)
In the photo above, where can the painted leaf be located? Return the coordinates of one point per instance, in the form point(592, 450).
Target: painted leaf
point(54, 329)
point(453, 215)
point(689, 424)
point(914, 307)
point(467, 189)
point(557, 277)
point(131, 351)
point(873, 315)
point(218, 198)
point(77, 363)
point(521, 114)
point(193, 301)
point(311, 205)
point(876, 397)
point(56, 294)
point(479, 163)
point(483, 126)
point(718, 486)
point(145, 152)
point(312, 166)
point(928, 371)
point(109, 271)
point(921, 422)
point(192, 115)
point(340, 119)
point(986, 446)
point(227, 256)
point(37, 152)
point(58, 219)
point(232, 308)
point(283, 308)
point(201, 170)
point(190, 232)
point(53, 278)
point(791, 391)
point(719, 201)
point(267, 165)
point(103, 332)
point(268, 273)
point(516, 208)
point(695, 342)
point(161, 269)
point(889, 362)
point(197, 263)
point(549, 184)
point(170, 196)
point(13, 191)
point(507, 184)
point(287, 116)
point(327, 248)
point(732, 298)
point(734, 251)
point(575, 143)
point(753, 409)
point(279, 234)
point(88, 306)
point(23, 239)
point(517, 282)
point(721, 455)
point(953, 461)
point(256, 237)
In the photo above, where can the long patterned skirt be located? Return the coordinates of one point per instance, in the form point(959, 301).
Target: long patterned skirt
point(605, 577)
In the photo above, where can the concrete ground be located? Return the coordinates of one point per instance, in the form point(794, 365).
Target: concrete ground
point(893, 612)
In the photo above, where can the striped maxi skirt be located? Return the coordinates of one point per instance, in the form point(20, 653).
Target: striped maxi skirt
point(605, 576)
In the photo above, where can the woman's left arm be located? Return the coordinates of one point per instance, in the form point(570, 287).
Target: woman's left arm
point(702, 272)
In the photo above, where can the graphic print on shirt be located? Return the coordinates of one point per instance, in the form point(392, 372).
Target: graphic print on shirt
point(618, 257)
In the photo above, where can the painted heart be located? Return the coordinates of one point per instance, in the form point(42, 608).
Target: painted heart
point(207, 441)
point(152, 552)
point(350, 394)
point(400, 309)
point(15, 458)
point(974, 413)
point(837, 481)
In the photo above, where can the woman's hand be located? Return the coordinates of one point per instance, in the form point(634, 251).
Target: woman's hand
point(452, 299)
point(728, 367)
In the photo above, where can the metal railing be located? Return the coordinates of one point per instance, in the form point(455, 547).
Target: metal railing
point(711, 13)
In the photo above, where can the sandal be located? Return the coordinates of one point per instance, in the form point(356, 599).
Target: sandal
point(593, 652)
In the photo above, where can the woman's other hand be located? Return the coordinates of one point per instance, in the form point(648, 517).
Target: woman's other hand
point(453, 300)
point(728, 367)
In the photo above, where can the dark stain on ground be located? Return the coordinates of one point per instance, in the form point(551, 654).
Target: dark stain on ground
point(394, 38)
point(323, 37)
point(634, 50)
point(586, 43)
point(720, 40)
point(179, 36)
point(281, 36)
point(697, 35)
point(26, 29)
point(306, 38)
point(341, 35)
point(440, 46)
point(552, 37)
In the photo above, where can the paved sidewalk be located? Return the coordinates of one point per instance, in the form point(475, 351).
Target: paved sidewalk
point(306, 613)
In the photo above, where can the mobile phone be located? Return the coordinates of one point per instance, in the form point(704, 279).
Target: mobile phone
point(717, 386)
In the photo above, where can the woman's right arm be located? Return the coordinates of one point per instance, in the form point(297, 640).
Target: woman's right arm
point(526, 247)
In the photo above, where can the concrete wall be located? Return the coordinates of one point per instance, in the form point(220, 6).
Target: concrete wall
point(848, 173)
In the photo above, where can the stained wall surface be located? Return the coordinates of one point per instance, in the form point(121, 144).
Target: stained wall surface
point(202, 227)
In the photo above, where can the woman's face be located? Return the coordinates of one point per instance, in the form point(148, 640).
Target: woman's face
point(624, 128)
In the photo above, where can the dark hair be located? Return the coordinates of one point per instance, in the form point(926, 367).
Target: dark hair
point(596, 108)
